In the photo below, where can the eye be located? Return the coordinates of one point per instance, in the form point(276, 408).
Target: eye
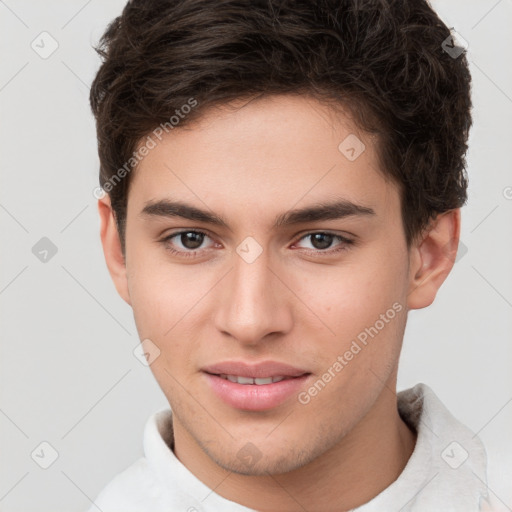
point(187, 242)
point(322, 242)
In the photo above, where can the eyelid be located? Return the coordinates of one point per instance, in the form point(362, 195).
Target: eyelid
point(345, 242)
point(344, 235)
point(170, 236)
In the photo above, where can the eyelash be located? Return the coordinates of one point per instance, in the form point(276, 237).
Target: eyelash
point(345, 243)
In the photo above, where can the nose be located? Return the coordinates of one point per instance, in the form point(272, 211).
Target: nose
point(254, 303)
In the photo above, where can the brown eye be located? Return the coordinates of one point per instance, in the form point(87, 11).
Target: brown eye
point(322, 243)
point(191, 239)
point(321, 240)
point(185, 243)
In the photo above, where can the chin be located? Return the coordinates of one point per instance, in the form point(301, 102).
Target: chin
point(249, 461)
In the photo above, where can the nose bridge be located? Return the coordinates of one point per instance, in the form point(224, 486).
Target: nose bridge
point(253, 305)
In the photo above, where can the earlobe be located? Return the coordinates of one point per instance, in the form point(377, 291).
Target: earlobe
point(112, 248)
point(432, 259)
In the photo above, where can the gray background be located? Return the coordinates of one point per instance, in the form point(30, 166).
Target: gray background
point(67, 369)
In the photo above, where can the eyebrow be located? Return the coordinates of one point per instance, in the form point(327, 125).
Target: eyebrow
point(323, 211)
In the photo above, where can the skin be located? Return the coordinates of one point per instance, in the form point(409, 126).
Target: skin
point(250, 164)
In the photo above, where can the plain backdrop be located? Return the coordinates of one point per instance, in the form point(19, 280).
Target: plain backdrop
point(68, 374)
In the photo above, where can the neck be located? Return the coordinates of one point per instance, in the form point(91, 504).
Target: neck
point(364, 463)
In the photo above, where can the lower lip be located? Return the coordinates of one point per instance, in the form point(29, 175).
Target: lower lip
point(253, 397)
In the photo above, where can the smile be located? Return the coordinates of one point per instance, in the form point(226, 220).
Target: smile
point(249, 380)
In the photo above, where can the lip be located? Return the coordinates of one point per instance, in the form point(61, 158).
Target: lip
point(258, 370)
point(253, 397)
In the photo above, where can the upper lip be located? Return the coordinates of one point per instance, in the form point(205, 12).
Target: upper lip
point(256, 371)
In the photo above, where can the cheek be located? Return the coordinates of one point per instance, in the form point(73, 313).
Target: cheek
point(364, 307)
point(166, 303)
point(152, 305)
point(352, 298)
point(161, 293)
point(356, 366)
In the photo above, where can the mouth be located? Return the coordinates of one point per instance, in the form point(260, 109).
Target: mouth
point(262, 381)
point(258, 387)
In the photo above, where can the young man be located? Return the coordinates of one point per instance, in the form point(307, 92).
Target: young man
point(283, 185)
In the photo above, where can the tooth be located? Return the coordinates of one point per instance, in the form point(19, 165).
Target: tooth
point(232, 378)
point(266, 380)
point(277, 379)
point(245, 380)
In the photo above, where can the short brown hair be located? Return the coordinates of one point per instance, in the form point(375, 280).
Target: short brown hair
point(383, 59)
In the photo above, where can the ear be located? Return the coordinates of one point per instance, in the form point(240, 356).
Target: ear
point(112, 248)
point(432, 257)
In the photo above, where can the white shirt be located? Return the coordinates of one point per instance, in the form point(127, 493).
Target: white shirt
point(445, 473)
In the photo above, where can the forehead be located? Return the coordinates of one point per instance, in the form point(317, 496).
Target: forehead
point(266, 155)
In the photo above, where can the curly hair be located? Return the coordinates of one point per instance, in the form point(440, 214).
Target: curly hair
point(383, 60)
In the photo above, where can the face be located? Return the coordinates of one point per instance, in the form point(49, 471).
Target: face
point(313, 305)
